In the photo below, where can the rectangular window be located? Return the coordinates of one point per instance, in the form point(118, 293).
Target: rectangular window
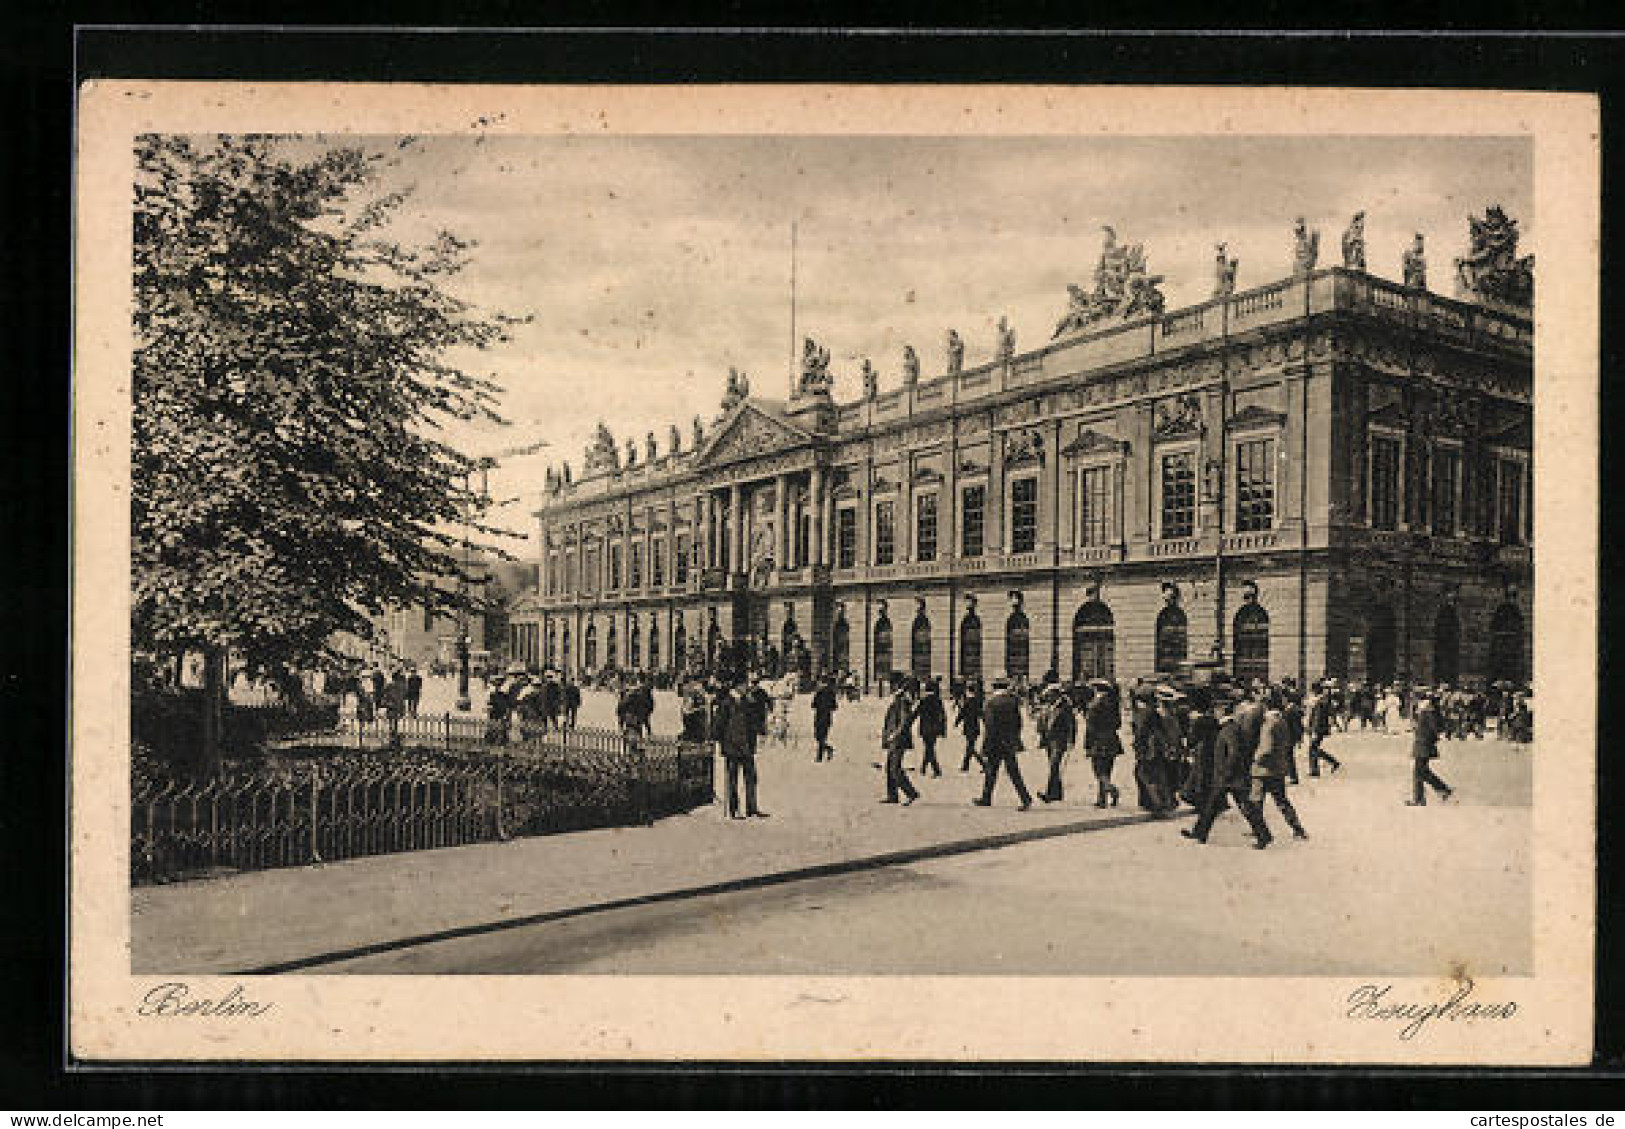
point(614, 567)
point(1094, 506)
point(635, 573)
point(804, 539)
point(657, 564)
point(1178, 494)
point(1255, 485)
point(1509, 503)
point(680, 561)
point(1446, 481)
point(973, 513)
point(1023, 515)
point(846, 538)
point(1416, 486)
point(925, 527)
point(885, 533)
point(1384, 502)
point(589, 582)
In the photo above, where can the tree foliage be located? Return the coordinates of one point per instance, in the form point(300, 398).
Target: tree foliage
point(294, 368)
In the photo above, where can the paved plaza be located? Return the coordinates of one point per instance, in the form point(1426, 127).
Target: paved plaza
point(939, 887)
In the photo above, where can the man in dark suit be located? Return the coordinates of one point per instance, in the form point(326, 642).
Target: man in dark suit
point(1002, 743)
point(896, 739)
point(824, 705)
point(1231, 779)
point(933, 724)
point(1060, 729)
point(1102, 719)
point(969, 719)
point(1319, 726)
point(1270, 765)
point(1425, 750)
point(735, 732)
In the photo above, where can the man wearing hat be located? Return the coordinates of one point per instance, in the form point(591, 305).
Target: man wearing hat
point(933, 724)
point(968, 716)
point(735, 731)
point(1002, 743)
point(1101, 720)
point(1231, 780)
point(1425, 750)
point(1057, 730)
point(896, 738)
point(1318, 726)
point(824, 705)
point(1270, 765)
point(1167, 747)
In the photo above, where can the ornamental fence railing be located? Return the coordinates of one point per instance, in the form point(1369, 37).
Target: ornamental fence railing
point(419, 783)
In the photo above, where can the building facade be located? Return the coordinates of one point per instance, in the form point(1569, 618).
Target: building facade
point(1330, 474)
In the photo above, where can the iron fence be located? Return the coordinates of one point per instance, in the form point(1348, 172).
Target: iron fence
point(431, 782)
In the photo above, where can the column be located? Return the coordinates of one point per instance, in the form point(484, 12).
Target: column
point(993, 508)
point(816, 501)
point(781, 531)
point(736, 529)
point(649, 549)
point(705, 529)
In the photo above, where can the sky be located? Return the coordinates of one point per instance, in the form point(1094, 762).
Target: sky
point(652, 264)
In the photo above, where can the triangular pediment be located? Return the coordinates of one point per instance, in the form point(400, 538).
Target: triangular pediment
point(1090, 442)
point(750, 431)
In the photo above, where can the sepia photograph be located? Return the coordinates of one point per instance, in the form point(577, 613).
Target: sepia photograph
point(1044, 562)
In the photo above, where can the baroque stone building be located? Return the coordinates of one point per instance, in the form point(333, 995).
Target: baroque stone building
point(1329, 474)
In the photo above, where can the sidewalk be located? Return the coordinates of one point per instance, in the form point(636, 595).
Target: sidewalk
point(821, 815)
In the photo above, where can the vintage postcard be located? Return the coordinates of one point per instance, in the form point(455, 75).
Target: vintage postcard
point(834, 573)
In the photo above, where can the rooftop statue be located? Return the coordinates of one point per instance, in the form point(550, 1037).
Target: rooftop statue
point(1415, 265)
point(567, 478)
point(1354, 243)
point(1224, 273)
point(871, 380)
point(699, 433)
point(956, 353)
point(738, 388)
point(651, 453)
point(601, 454)
point(1124, 289)
point(815, 376)
point(674, 440)
point(631, 452)
point(1305, 247)
point(911, 365)
point(1492, 269)
point(1007, 339)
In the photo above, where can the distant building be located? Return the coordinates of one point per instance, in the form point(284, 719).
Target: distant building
point(427, 638)
point(1329, 474)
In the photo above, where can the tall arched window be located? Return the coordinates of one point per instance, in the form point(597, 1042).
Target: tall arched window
point(654, 644)
point(1017, 643)
point(883, 667)
point(1251, 630)
point(679, 646)
point(589, 660)
point(552, 638)
point(920, 648)
point(634, 650)
point(970, 646)
point(1172, 636)
point(564, 649)
point(1094, 642)
point(840, 645)
point(1446, 646)
point(1381, 645)
point(610, 651)
point(1507, 646)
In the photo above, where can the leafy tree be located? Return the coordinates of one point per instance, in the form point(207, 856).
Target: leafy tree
point(294, 368)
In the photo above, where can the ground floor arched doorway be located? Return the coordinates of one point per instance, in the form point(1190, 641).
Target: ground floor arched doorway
point(1446, 646)
point(1094, 642)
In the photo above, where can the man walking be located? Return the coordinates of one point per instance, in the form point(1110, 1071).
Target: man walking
point(1231, 780)
point(735, 731)
point(1060, 729)
point(1002, 743)
point(1424, 751)
point(933, 724)
point(572, 702)
point(1319, 727)
point(896, 739)
point(824, 705)
point(1101, 720)
point(414, 691)
point(1270, 764)
point(969, 720)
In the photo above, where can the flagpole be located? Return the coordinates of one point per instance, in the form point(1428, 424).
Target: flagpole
point(792, 308)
